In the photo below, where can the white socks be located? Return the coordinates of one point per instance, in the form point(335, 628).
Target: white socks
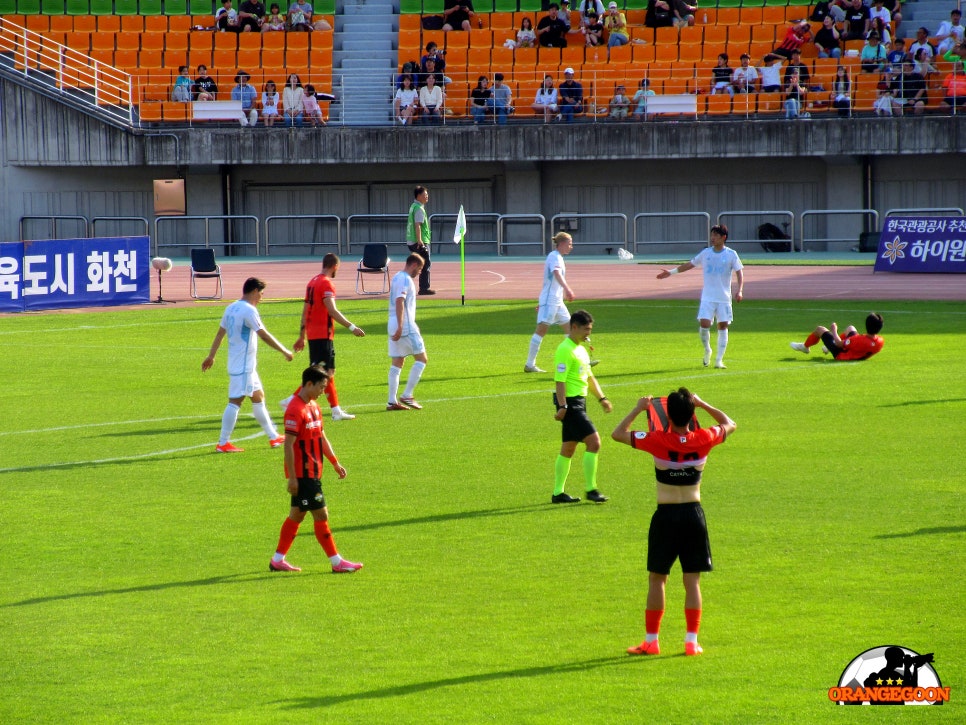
point(534, 349)
point(705, 334)
point(722, 343)
point(394, 374)
point(228, 420)
point(415, 373)
point(260, 411)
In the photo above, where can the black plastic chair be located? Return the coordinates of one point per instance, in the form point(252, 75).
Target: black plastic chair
point(375, 260)
point(203, 266)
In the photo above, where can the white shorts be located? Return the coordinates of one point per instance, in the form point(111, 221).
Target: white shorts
point(553, 315)
point(411, 344)
point(244, 385)
point(715, 310)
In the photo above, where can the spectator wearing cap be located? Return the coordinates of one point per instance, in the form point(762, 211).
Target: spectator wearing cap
point(593, 31)
point(616, 26)
point(795, 63)
point(245, 93)
point(564, 14)
point(551, 30)
point(500, 100)
point(570, 96)
point(950, 33)
point(873, 57)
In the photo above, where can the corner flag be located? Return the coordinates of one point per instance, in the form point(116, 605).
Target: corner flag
point(459, 237)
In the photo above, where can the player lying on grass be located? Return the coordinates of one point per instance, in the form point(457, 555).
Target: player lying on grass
point(851, 345)
point(678, 529)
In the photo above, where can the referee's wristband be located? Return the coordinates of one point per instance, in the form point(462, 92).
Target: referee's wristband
point(562, 407)
point(674, 270)
point(603, 399)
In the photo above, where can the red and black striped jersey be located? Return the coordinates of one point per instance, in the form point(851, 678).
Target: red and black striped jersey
point(678, 459)
point(304, 421)
point(319, 325)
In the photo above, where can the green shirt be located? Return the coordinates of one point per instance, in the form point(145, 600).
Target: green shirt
point(411, 225)
point(572, 368)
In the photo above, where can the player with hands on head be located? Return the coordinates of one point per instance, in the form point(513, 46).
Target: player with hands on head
point(238, 322)
point(851, 345)
point(718, 263)
point(573, 377)
point(678, 529)
point(305, 447)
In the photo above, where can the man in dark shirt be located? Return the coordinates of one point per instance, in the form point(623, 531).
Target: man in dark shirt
point(909, 90)
point(658, 14)
point(250, 16)
point(796, 63)
point(457, 14)
point(204, 87)
point(551, 30)
point(570, 96)
point(857, 22)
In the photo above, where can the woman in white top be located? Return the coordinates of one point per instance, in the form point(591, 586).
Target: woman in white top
point(526, 37)
point(546, 100)
point(431, 100)
point(404, 104)
point(269, 103)
point(292, 100)
point(587, 6)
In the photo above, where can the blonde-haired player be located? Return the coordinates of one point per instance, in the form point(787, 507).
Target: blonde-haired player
point(552, 309)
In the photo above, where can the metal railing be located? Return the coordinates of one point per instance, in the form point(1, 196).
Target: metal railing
point(146, 232)
point(621, 241)
point(228, 241)
point(353, 221)
point(735, 239)
point(53, 221)
point(868, 214)
point(319, 222)
point(522, 219)
point(671, 216)
point(445, 224)
point(936, 211)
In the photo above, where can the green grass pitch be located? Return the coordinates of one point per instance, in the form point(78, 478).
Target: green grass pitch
point(134, 560)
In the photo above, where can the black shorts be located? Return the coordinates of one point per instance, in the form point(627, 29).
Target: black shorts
point(828, 339)
point(322, 352)
point(310, 496)
point(678, 531)
point(576, 424)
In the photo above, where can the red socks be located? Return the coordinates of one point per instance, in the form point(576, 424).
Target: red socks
point(330, 394)
point(652, 620)
point(324, 536)
point(812, 340)
point(693, 619)
point(287, 536)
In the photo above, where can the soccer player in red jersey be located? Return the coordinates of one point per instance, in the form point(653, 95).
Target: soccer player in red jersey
point(851, 345)
point(305, 446)
point(678, 529)
point(319, 315)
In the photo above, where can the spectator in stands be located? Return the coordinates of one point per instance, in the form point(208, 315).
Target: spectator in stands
point(954, 86)
point(300, 17)
point(585, 8)
point(883, 99)
point(909, 90)
point(956, 56)
point(873, 57)
point(620, 105)
point(721, 77)
point(795, 94)
point(842, 91)
point(658, 14)
point(500, 102)
point(745, 77)
point(431, 101)
point(795, 37)
point(827, 40)
point(551, 30)
point(885, 35)
point(248, 96)
point(181, 93)
point(457, 14)
point(226, 17)
point(270, 101)
point(545, 101)
point(570, 96)
point(898, 53)
point(922, 43)
point(857, 21)
point(923, 63)
point(478, 98)
point(275, 21)
point(770, 71)
point(429, 69)
point(640, 99)
point(838, 9)
point(293, 97)
point(564, 15)
point(878, 10)
point(950, 32)
point(616, 26)
point(310, 103)
point(683, 13)
point(593, 31)
point(795, 63)
point(406, 102)
point(251, 16)
point(526, 37)
point(433, 53)
point(204, 88)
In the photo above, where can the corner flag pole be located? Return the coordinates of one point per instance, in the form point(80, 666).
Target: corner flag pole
point(459, 237)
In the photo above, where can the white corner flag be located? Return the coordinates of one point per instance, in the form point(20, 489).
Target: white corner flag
point(460, 234)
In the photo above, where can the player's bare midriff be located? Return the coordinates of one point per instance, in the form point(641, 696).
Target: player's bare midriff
point(678, 494)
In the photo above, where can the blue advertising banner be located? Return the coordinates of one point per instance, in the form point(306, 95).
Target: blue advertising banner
point(58, 273)
point(922, 244)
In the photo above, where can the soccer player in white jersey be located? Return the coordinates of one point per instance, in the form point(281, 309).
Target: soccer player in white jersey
point(719, 263)
point(242, 326)
point(404, 336)
point(555, 292)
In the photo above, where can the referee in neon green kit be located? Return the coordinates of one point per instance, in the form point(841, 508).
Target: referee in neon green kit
point(572, 376)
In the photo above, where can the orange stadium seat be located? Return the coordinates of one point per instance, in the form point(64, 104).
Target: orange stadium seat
point(643, 54)
point(229, 41)
point(321, 39)
point(774, 14)
point(78, 41)
point(151, 41)
point(250, 41)
point(85, 23)
point(478, 57)
point(273, 58)
point(750, 15)
point(147, 60)
point(249, 58)
point(175, 41)
point(693, 53)
point(727, 16)
point(201, 41)
point(274, 41)
point(150, 112)
point(223, 58)
point(298, 57)
point(176, 58)
point(127, 41)
point(109, 23)
point(102, 41)
point(719, 104)
point(769, 103)
point(320, 58)
point(132, 23)
point(691, 34)
point(61, 24)
point(179, 23)
point(156, 23)
point(666, 36)
point(173, 111)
